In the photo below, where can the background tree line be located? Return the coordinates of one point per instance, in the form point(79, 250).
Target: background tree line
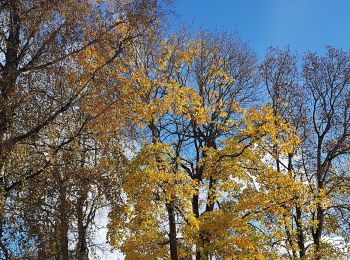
point(195, 147)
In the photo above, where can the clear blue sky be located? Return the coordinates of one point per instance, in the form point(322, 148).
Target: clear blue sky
point(302, 24)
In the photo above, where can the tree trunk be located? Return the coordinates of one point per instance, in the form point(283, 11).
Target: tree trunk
point(300, 233)
point(195, 209)
point(82, 249)
point(8, 79)
point(63, 225)
point(317, 235)
point(172, 230)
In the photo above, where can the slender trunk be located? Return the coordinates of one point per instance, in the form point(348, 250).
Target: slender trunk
point(290, 240)
point(317, 235)
point(8, 78)
point(172, 230)
point(170, 205)
point(9, 72)
point(204, 239)
point(82, 249)
point(298, 218)
point(195, 210)
point(63, 225)
point(300, 233)
point(210, 197)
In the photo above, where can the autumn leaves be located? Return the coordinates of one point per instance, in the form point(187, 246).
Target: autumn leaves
point(204, 157)
point(195, 148)
point(222, 172)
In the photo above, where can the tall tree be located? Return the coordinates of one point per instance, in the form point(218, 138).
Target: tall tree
point(48, 73)
point(316, 103)
point(202, 144)
point(327, 143)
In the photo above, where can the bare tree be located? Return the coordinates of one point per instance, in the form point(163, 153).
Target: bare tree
point(327, 80)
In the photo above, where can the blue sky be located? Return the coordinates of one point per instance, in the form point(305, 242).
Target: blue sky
point(304, 25)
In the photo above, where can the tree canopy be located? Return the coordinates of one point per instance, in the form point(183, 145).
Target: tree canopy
point(194, 147)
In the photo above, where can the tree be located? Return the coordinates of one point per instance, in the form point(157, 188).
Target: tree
point(195, 149)
point(38, 54)
point(327, 82)
point(49, 72)
point(319, 111)
point(280, 76)
point(203, 157)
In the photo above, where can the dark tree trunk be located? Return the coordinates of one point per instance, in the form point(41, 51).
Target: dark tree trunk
point(63, 225)
point(8, 77)
point(82, 249)
point(300, 233)
point(317, 235)
point(172, 230)
point(210, 203)
point(195, 209)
